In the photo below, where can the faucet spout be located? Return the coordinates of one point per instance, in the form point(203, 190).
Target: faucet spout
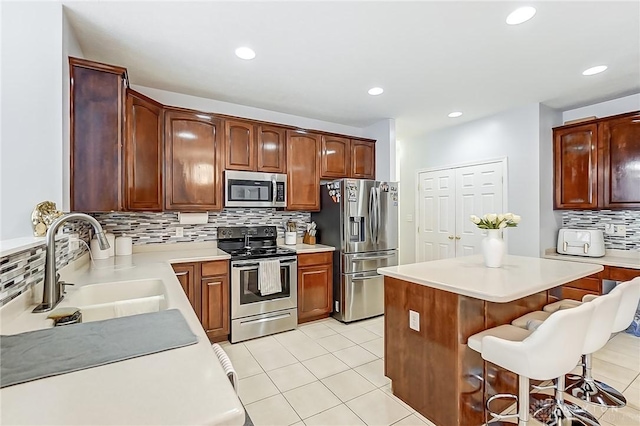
point(52, 293)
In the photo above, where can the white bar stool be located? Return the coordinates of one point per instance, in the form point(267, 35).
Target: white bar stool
point(535, 355)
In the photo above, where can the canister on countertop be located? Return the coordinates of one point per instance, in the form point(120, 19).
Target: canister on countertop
point(96, 252)
point(124, 246)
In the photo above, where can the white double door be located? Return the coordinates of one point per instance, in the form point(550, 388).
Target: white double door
point(446, 200)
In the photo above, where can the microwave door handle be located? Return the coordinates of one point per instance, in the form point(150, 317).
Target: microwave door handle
point(274, 190)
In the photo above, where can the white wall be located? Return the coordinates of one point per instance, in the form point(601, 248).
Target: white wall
point(604, 109)
point(211, 105)
point(384, 132)
point(31, 135)
point(550, 220)
point(513, 134)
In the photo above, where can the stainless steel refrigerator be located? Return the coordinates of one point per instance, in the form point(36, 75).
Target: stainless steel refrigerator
point(359, 218)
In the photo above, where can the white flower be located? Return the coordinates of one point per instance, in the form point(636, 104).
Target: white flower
point(508, 216)
point(491, 217)
point(475, 219)
point(502, 225)
point(500, 217)
point(516, 219)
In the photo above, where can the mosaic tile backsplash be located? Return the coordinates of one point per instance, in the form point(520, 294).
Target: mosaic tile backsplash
point(597, 219)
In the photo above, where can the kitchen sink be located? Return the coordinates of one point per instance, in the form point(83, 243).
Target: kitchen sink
point(97, 294)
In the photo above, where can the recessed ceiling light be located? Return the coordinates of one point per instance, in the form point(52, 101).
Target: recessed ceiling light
point(375, 91)
point(594, 70)
point(245, 53)
point(455, 114)
point(520, 15)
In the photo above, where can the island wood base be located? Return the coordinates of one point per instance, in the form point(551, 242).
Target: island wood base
point(433, 370)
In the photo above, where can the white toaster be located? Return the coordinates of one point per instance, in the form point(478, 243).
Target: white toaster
point(581, 242)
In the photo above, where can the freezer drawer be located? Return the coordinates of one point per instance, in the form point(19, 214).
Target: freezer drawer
point(361, 296)
point(370, 261)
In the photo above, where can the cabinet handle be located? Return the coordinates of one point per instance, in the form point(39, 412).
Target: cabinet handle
point(179, 274)
point(214, 283)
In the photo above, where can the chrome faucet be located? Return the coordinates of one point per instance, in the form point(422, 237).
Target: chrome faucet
point(52, 294)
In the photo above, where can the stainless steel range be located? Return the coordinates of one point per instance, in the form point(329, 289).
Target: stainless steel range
point(254, 312)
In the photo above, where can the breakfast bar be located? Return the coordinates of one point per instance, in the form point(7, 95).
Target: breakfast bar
point(427, 358)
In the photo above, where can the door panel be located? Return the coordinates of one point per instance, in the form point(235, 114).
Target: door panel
point(315, 285)
point(621, 154)
point(271, 150)
point(364, 296)
point(357, 215)
point(363, 159)
point(436, 215)
point(215, 305)
point(303, 171)
point(240, 143)
point(336, 157)
point(575, 167)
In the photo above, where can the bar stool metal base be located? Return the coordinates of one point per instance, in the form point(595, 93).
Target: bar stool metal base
point(552, 412)
point(586, 388)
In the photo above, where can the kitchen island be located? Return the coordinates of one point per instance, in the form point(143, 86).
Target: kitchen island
point(431, 368)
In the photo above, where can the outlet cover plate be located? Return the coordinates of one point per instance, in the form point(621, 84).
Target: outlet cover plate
point(414, 320)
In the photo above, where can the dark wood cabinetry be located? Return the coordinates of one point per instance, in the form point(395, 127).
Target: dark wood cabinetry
point(240, 145)
point(363, 159)
point(593, 283)
point(315, 286)
point(620, 140)
point(272, 149)
point(595, 164)
point(97, 98)
point(303, 171)
point(143, 153)
point(206, 285)
point(193, 161)
point(336, 157)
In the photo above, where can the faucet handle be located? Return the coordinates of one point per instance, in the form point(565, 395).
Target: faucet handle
point(63, 285)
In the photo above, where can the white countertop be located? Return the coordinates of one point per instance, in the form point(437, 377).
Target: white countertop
point(302, 248)
point(179, 386)
point(518, 277)
point(618, 258)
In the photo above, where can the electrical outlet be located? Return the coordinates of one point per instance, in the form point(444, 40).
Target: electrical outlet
point(414, 320)
point(621, 230)
point(179, 231)
point(609, 228)
point(74, 243)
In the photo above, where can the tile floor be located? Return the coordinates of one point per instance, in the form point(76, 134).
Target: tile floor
point(328, 373)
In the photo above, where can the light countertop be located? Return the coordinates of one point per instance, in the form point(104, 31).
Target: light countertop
point(618, 258)
point(302, 248)
point(518, 277)
point(179, 386)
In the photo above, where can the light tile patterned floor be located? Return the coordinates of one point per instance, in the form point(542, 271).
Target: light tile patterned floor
point(328, 373)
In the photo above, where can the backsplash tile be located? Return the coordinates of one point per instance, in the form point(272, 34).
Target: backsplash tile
point(597, 219)
point(151, 228)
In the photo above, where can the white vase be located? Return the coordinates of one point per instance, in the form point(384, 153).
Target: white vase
point(493, 248)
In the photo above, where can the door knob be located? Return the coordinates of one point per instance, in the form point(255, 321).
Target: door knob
point(451, 237)
point(457, 237)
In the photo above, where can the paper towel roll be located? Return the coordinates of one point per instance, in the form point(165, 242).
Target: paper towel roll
point(193, 218)
point(123, 246)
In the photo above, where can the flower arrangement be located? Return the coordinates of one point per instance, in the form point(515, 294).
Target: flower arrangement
point(496, 221)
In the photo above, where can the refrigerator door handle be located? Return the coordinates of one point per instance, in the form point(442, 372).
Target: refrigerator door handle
point(371, 217)
point(378, 214)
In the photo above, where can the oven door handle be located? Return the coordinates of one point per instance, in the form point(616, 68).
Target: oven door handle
point(247, 266)
point(277, 317)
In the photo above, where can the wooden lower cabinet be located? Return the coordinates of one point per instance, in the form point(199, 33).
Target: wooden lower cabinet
point(315, 286)
point(593, 283)
point(206, 285)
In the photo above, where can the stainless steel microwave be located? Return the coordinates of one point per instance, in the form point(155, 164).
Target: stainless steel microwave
point(251, 189)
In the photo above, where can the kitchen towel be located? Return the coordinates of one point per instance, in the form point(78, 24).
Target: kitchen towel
point(138, 306)
point(60, 350)
point(226, 365)
point(269, 277)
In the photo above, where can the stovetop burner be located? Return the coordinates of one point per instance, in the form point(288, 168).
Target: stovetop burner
point(260, 240)
point(260, 253)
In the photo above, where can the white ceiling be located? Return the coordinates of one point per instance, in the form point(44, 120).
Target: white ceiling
point(318, 59)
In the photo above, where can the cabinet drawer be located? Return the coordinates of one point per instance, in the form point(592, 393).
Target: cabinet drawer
point(623, 274)
point(220, 267)
point(587, 283)
point(575, 293)
point(315, 258)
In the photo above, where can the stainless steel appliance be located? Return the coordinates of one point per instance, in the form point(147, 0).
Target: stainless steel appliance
point(253, 314)
point(581, 242)
point(360, 219)
point(251, 189)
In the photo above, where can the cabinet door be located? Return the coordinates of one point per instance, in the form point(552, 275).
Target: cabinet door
point(143, 153)
point(193, 162)
point(271, 150)
point(97, 109)
point(240, 143)
point(215, 305)
point(620, 141)
point(303, 171)
point(336, 157)
point(187, 275)
point(363, 160)
point(315, 292)
point(575, 167)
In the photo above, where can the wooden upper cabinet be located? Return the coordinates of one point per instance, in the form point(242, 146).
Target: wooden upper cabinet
point(303, 171)
point(620, 141)
point(97, 97)
point(240, 145)
point(271, 149)
point(363, 160)
point(336, 157)
point(576, 167)
point(143, 153)
point(193, 161)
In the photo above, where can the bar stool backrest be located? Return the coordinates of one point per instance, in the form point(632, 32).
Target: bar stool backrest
point(630, 296)
point(552, 350)
point(604, 314)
